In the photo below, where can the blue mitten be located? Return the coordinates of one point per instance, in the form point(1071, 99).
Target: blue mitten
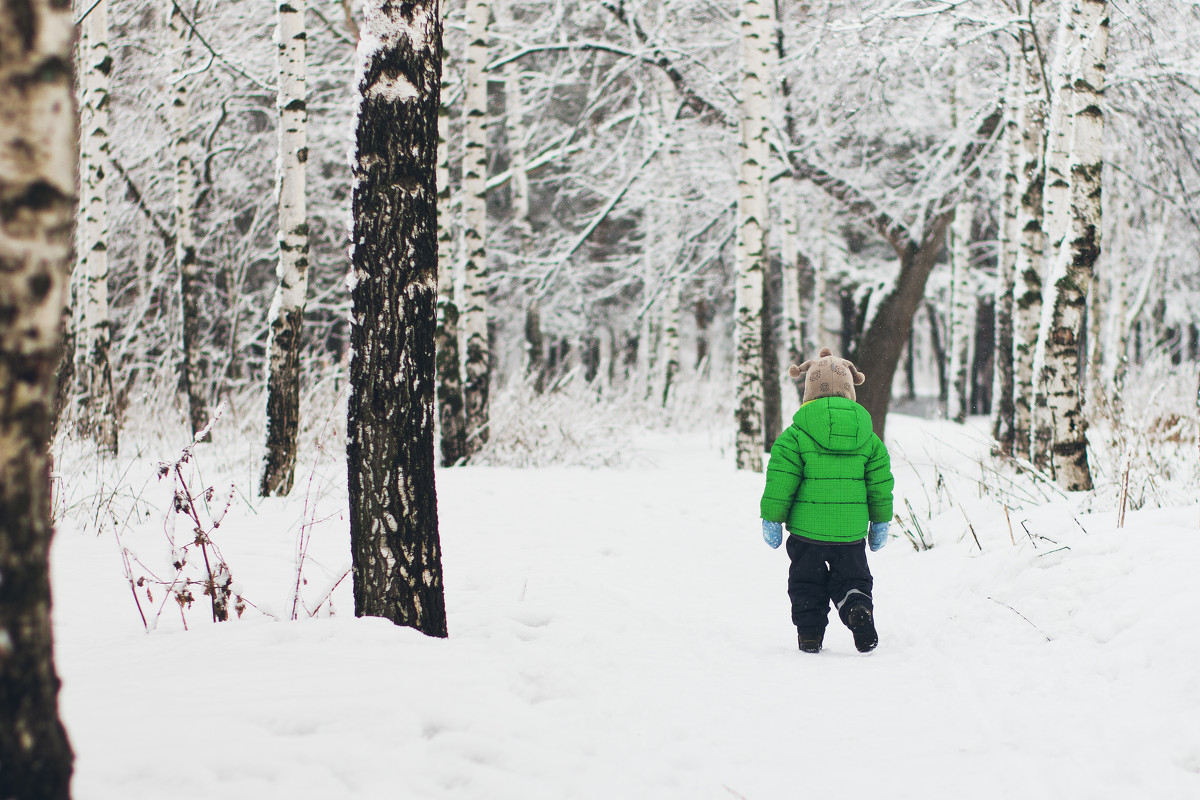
point(772, 533)
point(878, 536)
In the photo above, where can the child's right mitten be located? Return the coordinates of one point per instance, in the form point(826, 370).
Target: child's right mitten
point(772, 533)
point(877, 536)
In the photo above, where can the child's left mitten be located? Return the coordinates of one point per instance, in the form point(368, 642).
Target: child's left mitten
point(877, 536)
point(772, 533)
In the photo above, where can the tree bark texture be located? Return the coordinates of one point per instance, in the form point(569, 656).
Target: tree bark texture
point(1002, 361)
point(287, 310)
point(1027, 300)
point(962, 314)
point(38, 158)
point(474, 319)
point(793, 315)
point(753, 221)
point(1057, 368)
point(393, 501)
point(670, 337)
point(451, 411)
point(186, 260)
point(97, 415)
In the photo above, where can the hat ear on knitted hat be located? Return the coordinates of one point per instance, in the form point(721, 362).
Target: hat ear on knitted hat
point(828, 376)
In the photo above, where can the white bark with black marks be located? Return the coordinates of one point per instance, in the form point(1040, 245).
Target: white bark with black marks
point(1027, 292)
point(93, 330)
point(1057, 369)
point(474, 319)
point(186, 257)
point(287, 311)
point(757, 32)
point(38, 159)
point(396, 550)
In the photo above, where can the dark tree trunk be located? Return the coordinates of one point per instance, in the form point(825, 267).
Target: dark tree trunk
point(910, 363)
point(703, 312)
point(877, 352)
point(283, 404)
point(939, 351)
point(772, 391)
point(191, 377)
point(37, 212)
point(982, 367)
point(535, 348)
point(393, 502)
point(451, 411)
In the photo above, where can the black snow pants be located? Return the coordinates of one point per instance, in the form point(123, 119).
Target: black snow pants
point(825, 573)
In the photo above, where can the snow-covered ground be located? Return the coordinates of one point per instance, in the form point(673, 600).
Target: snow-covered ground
point(625, 633)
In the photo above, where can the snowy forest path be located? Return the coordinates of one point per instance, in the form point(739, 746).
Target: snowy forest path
point(626, 633)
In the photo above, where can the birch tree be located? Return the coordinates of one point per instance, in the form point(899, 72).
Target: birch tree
point(753, 220)
point(38, 159)
point(93, 330)
point(451, 412)
point(394, 538)
point(1031, 177)
point(287, 311)
point(962, 298)
point(186, 255)
point(475, 309)
point(1057, 367)
point(1010, 203)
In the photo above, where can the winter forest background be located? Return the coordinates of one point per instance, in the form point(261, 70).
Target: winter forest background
point(645, 211)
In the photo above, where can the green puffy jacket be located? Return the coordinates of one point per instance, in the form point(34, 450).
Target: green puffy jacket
point(829, 475)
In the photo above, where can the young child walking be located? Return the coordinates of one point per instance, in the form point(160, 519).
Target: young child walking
point(830, 481)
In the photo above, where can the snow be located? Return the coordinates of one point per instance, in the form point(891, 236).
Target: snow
point(624, 632)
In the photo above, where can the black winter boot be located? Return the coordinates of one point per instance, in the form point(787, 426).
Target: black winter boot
point(811, 642)
point(861, 622)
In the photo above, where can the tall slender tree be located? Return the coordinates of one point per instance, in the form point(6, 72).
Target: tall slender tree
point(1057, 368)
point(287, 311)
point(451, 412)
point(474, 319)
point(93, 329)
point(393, 500)
point(757, 33)
point(1031, 178)
point(186, 255)
point(1010, 202)
point(38, 159)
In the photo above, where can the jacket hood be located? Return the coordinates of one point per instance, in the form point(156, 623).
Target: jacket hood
point(835, 423)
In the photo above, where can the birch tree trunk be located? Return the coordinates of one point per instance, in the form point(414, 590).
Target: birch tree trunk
point(670, 336)
point(393, 501)
point(287, 310)
point(185, 239)
point(820, 259)
point(451, 411)
point(1056, 200)
point(962, 314)
point(475, 311)
point(514, 128)
point(38, 157)
point(1027, 302)
point(1002, 366)
point(757, 29)
point(93, 332)
point(793, 315)
point(1058, 368)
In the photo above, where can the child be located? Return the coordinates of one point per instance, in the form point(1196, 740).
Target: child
point(829, 477)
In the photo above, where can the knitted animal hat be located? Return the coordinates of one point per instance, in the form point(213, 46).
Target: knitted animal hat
point(827, 376)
